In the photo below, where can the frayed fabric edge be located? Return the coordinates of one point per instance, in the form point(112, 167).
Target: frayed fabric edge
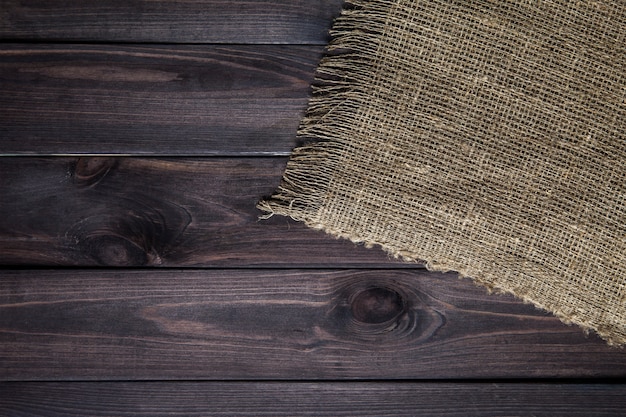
point(342, 76)
point(485, 282)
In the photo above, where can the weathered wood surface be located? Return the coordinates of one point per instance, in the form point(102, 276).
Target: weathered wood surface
point(198, 21)
point(159, 100)
point(280, 324)
point(180, 79)
point(334, 399)
point(156, 212)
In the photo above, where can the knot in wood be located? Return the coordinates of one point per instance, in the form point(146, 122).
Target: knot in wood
point(88, 171)
point(377, 305)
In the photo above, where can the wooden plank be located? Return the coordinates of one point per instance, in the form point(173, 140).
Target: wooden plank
point(280, 324)
point(311, 399)
point(203, 21)
point(167, 100)
point(156, 212)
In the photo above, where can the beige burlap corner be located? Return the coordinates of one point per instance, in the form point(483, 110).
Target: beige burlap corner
point(484, 137)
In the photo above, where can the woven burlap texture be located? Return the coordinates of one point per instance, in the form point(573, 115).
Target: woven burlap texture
point(484, 137)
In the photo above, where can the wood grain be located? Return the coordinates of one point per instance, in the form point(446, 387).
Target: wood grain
point(311, 399)
point(202, 21)
point(157, 212)
point(158, 100)
point(197, 83)
point(280, 324)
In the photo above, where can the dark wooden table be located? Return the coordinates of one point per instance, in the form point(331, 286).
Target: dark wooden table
point(136, 139)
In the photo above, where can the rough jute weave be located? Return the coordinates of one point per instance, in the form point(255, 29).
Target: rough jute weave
point(481, 136)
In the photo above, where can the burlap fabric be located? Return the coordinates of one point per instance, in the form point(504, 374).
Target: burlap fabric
point(485, 137)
